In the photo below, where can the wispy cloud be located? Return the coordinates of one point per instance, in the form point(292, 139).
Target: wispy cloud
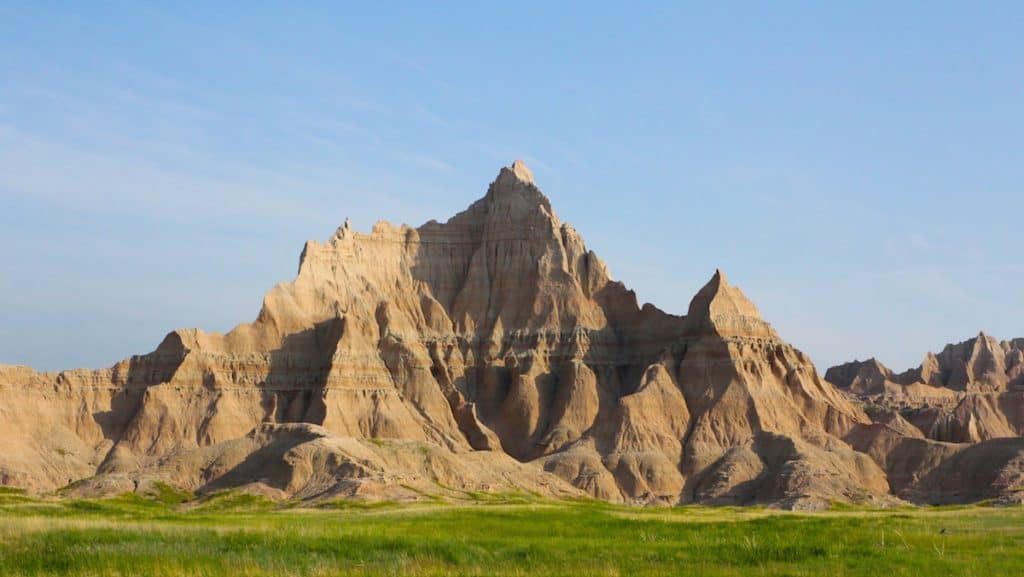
point(918, 241)
point(424, 114)
point(431, 163)
point(938, 283)
point(35, 167)
point(535, 163)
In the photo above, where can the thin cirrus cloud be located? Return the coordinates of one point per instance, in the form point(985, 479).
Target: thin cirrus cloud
point(161, 168)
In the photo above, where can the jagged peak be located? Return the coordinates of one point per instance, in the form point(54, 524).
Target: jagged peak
point(345, 230)
point(718, 297)
point(986, 340)
point(521, 171)
point(515, 186)
point(726, 311)
point(517, 171)
point(511, 196)
point(868, 364)
point(874, 366)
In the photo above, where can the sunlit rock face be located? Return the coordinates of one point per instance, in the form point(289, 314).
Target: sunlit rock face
point(489, 352)
point(960, 416)
point(971, 391)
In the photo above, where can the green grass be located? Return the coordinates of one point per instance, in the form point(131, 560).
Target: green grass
point(169, 495)
point(233, 502)
point(235, 534)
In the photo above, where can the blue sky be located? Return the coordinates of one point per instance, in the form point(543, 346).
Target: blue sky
point(855, 167)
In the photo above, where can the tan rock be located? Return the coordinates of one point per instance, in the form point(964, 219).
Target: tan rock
point(491, 352)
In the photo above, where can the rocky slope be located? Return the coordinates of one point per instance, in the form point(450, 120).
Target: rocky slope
point(491, 352)
point(964, 410)
point(971, 391)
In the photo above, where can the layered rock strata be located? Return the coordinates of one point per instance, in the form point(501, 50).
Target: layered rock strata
point(491, 352)
point(960, 416)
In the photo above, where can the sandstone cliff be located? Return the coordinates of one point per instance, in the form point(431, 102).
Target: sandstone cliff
point(490, 352)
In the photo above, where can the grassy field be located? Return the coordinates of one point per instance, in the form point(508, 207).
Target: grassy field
point(243, 535)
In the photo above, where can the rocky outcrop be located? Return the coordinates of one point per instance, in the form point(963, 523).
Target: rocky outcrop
point(952, 427)
point(491, 352)
point(861, 377)
point(978, 365)
point(972, 391)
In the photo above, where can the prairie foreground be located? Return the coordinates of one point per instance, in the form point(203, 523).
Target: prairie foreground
point(236, 534)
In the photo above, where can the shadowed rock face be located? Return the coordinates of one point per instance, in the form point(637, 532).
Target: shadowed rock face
point(489, 352)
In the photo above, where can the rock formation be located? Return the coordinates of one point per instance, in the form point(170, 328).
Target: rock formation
point(491, 352)
point(978, 365)
point(960, 415)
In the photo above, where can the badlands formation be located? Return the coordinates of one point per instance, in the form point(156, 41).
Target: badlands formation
point(493, 352)
point(965, 409)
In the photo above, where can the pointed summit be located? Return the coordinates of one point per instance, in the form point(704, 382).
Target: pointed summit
point(717, 297)
point(724, 310)
point(517, 172)
point(522, 172)
point(514, 194)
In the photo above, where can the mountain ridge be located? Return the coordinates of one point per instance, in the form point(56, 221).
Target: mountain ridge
point(491, 352)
